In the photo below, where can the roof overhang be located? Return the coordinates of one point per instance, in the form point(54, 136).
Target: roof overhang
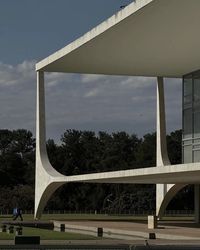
point(147, 38)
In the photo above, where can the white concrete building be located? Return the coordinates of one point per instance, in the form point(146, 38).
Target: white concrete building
point(154, 38)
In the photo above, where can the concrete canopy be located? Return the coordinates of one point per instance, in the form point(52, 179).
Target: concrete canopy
point(147, 38)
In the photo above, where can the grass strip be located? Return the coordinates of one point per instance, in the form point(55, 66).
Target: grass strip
point(48, 235)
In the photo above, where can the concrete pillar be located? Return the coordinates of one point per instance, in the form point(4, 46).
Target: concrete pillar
point(164, 192)
point(161, 143)
point(40, 116)
point(40, 138)
point(45, 174)
point(197, 203)
point(170, 192)
point(152, 222)
point(47, 179)
point(161, 149)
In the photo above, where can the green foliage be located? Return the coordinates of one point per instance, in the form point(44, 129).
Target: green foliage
point(20, 195)
point(17, 156)
point(146, 155)
point(174, 146)
point(82, 152)
point(184, 199)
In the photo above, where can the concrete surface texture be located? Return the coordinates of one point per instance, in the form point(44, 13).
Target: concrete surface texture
point(141, 40)
point(169, 231)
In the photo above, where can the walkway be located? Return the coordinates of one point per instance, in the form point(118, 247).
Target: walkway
point(136, 231)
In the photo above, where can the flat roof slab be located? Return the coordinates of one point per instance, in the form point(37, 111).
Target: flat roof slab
point(147, 38)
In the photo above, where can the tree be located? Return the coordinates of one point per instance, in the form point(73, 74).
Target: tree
point(84, 152)
point(56, 155)
point(17, 156)
point(174, 141)
point(73, 152)
point(146, 155)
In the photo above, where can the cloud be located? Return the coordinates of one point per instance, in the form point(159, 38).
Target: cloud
point(17, 95)
point(92, 78)
point(16, 75)
point(173, 97)
point(54, 79)
point(113, 102)
point(92, 102)
point(92, 93)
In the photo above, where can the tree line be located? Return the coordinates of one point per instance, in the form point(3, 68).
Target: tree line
point(81, 152)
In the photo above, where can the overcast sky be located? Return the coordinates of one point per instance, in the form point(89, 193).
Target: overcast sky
point(30, 30)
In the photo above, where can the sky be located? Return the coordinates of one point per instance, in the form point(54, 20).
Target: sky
point(31, 30)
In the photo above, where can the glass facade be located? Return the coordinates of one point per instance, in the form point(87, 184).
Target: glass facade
point(191, 117)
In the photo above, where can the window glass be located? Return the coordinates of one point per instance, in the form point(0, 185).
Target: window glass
point(187, 123)
point(196, 141)
point(187, 91)
point(187, 154)
point(196, 124)
point(196, 106)
point(191, 117)
point(197, 90)
point(196, 155)
point(187, 142)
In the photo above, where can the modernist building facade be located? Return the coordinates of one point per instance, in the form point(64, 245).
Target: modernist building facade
point(152, 38)
point(191, 117)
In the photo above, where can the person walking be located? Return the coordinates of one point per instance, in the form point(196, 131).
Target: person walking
point(17, 212)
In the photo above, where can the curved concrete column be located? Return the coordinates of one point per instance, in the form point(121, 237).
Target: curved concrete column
point(46, 182)
point(164, 192)
point(45, 176)
point(45, 196)
point(169, 195)
point(162, 158)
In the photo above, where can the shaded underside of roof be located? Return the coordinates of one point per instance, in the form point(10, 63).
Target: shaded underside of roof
point(147, 38)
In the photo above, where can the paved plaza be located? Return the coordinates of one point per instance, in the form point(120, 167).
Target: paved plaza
point(129, 235)
point(167, 231)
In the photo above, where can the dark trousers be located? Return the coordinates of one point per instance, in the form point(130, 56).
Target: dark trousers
point(18, 215)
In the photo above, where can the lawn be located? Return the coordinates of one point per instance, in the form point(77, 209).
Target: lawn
point(48, 235)
point(44, 233)
point(102, 217)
